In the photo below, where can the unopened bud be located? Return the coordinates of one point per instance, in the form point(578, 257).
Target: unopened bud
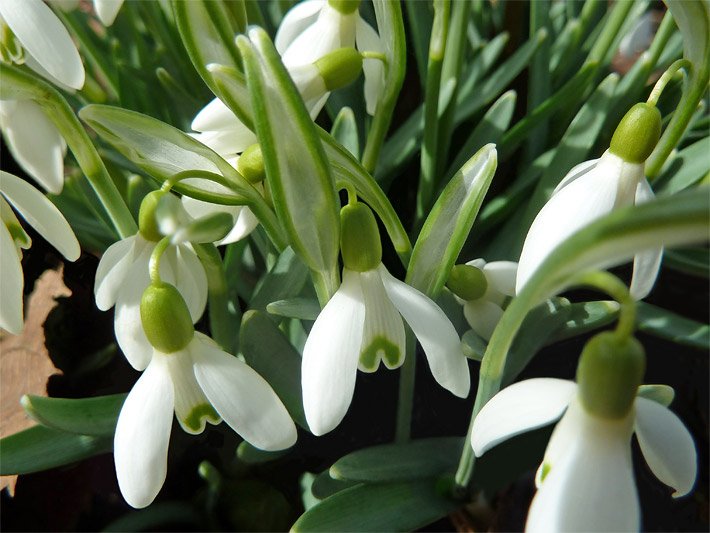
point(467, 282)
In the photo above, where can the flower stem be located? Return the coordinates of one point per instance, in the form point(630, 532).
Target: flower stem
point(665, 78)
point(615, 288)
point(155, 257)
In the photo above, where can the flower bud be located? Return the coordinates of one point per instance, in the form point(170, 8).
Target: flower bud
point(147, 219)
point(344, 7)
point(609, 373)
point(251, 164)
point(166, 319)
point(467, 282)
point(339, 68)
point(359, 238)
point(637, 134)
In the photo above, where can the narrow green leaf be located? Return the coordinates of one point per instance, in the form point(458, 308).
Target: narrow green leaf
point(447, 226)
point(87, 416)
point(40, 448)
point(583, 317)
point(693, 261)
point(254, 456)
point(269, 352)
point(160, 515)
point(324, 486)
point(419, 459)
point(385, 507)
point(668, 325)
point(688, 167)
point(284, 280)
point(345, 131)
point(301, 308)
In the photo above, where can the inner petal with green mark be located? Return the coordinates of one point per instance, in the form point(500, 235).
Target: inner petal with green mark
point(380, 349)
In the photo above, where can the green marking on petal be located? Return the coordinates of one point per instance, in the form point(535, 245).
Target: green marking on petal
point(546, 467)
point(379, 349)
point(198, 413)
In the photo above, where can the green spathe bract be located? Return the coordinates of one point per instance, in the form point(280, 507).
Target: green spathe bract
point(609, 373)
point(147, 221)
point(339, 68)
point(637, 134)
point(166, 319)
point(467, 282)
point(359, 238)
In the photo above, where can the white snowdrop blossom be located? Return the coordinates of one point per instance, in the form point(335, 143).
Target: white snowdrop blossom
point(361, 325)
point(484, 308)
point(190, 375)
point(314, 28)
point(586, 482)
point(122, 277)
point(44, 217)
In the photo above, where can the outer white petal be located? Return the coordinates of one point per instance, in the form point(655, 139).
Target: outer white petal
point(35, 143)
point(113, 269)
point(296, 21)
point(242, 397)
point(646, 264)
point(521, 407)
point(666, 445)
point(127, 324)
point(331, 355)
point(227, 142)
point(244, 219)
point(483, 316)
point(384, 331)
point(592, 487)
point(182, 268)
point(11, 284)
point(107, 10)
point(192, 407)
point(577, 171)
point(586, 199)
point(41, 214)
point(367, 40)
point(435, 332)
point(500, 275)
point(140, 445)
point(43, 35)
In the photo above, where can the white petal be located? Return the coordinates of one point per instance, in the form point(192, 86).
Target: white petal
point(244, 219)
point(298, 18)
point(227, 142)
point(435, 332)
point(483, 316)
point(577, 171)
point(586, 199)
point(113, 269)
point(11, 284)
point(36, 144)
point(192, 407)
point(368, 41)
point(592, 487)
point(646, 264)
point(41, 214)
point(127, 324)
point(331, 355)
point(43, 35)
point(107, 10)
point(500, 276)
point(519, 408)
point(216, 116)
point(666, 445)
point(181, 267)
point(383, 337)
point(140, 445)
point(242, 397)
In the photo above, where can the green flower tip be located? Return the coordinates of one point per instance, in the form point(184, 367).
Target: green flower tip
point(147, 221)
point(609, 374)
point(359, 238)
point(251, 164)
point(165, 318)
point(344, 7)
point(339, 68)
point(467, 282)
point(637, 134)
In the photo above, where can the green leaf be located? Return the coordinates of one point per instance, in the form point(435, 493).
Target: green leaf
point(668, 325)
point(158, 516)
point(385, 507)
point(419, 459)
point(269, 352)
point(693, 261)
point(345, 131)
point(254, 456)
point(295, 162)
point(324, 486)
point(87, 416)
point(301, 308)
point(447, 226)
point(284, 280)
point(687, 168)
point(583, 317)
point(40, 448)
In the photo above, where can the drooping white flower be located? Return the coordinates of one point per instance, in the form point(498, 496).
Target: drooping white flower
point(44, 217)
point(483, 292)
point(191, 376)
point(586, 482)
point(362, 325)
point(122, 277)
point(595, 188)
point(314, 28)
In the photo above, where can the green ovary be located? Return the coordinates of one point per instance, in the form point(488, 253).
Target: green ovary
point(380, 348)
point(203, 410)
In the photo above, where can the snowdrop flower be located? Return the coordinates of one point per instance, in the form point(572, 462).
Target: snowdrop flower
point(44, 217)
point(483, 288)
point(106, 10)
point(122, 277)
point(313, 28)
point(586, 482)
point(190, 375)
point(595, 188)
point(362, 325)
